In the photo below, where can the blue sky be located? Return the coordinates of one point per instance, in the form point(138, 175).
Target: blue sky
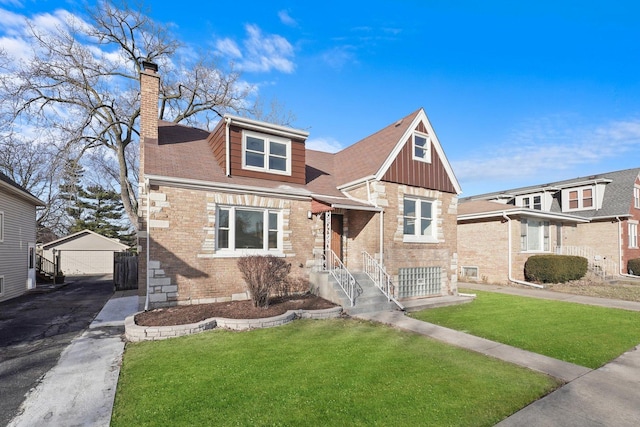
point(519, 93)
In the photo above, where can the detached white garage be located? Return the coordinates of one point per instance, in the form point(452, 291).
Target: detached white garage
point(84, 253)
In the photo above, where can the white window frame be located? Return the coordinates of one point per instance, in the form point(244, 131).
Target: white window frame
point(636, 197)
point(426, 158)
point(566, 202)
point(633, 234)
point(265, 250)
point(417, 237)
point(1, 226)
point(529, 201)
point(266, 154)
point(544, 241)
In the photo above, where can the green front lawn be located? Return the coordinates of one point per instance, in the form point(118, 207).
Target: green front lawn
point(329, 372)
point(585, 335)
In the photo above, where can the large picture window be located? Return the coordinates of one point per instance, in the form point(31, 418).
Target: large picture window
point(418, 220)
point(248, 229)
point(266, 153)
point(534, 235)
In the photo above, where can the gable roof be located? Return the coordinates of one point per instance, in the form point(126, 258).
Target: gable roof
point(616, 201)
point(183, 154)
point(11, 186)
point(111, 244)
point(377, 152)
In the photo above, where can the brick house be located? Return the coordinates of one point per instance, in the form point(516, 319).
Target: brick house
point(595, 217)
point(249, 187)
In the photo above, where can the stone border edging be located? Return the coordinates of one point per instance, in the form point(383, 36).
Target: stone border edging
point(137, 333)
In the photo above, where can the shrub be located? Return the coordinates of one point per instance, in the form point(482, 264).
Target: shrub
point(554, 268)
point(263, 274)
point(293, 285)
point(633, 266)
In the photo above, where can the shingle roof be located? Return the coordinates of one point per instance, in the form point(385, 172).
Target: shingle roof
point(17, 189)
point(617, 195)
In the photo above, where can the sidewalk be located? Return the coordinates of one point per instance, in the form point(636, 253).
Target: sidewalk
point(80, 389)
point(608, 396)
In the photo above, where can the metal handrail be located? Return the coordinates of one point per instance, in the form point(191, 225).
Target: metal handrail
point(380, 277)
point(345, 279)
point(45, 266)
point(599, 265)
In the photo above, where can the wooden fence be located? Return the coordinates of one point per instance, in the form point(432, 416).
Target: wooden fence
point(125, 271)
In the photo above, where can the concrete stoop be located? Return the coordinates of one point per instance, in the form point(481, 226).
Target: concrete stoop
point(370, 300)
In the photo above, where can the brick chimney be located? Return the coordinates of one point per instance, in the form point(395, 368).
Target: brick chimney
point(149, 92)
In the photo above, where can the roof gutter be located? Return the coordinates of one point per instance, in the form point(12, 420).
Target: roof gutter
point(511, 279)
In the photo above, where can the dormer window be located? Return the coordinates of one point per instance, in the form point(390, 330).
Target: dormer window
point(421, 147)
point(266, 153)
point(532, 202)
point(580, 199)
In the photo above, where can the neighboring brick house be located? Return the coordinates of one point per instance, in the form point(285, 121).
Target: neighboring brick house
point(17, 239)
point(250, 187)
point(596, 217)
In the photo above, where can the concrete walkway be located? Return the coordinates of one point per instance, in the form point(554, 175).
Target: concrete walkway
point(80, 389)
point(608, 396)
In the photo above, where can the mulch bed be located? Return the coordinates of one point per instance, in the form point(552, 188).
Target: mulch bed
point(185, 314)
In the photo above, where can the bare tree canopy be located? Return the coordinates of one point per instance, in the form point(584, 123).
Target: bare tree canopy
point(79, 85)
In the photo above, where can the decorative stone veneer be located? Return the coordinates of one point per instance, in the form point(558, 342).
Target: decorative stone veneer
point(136, 333)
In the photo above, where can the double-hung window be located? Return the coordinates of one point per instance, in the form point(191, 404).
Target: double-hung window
point(266, 153)
point(248, 229)
point(579, 198)
point(1, 226)
point(534, 235)
point(421, 147)
point(419, 223)
point(636, 197)
point(633, 235)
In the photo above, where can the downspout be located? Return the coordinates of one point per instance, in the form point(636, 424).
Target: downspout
point(511, 279)
point(146, 190)
point(620, 250)
point(227, 121)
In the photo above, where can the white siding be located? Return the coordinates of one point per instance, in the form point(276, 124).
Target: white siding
point(19, 231)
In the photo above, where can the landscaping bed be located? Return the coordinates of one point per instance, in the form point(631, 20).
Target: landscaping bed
point(186, 314)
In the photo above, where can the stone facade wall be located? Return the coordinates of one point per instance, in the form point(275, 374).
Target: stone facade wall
point(184, 267)
point(364, 232)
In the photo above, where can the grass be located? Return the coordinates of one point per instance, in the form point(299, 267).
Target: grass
point(330, 372)
point(585, 335)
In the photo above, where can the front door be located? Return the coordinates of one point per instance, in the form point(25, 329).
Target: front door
point(31, 266)
point(336, 235)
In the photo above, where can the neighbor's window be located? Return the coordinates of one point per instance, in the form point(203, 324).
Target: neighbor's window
point(266, 153)
point(532, 202)
point(421, 147)
point(1, 285)
point(581, 198)
point(419, 222)
point(636, 197)
point(633, 235)
point(1, 226)
point(534, 235)
point(248, 229)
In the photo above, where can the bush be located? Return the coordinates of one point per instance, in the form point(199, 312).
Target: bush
point(633, 266)
point(292, 286)
point(555, 268)
point(263, 274)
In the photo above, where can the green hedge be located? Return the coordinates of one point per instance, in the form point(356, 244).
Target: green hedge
point(633, 266)
point(554, 268)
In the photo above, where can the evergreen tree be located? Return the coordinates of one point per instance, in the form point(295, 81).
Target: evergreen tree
point(101, 211)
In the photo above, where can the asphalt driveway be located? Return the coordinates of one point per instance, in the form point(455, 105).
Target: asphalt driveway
point(36, 328)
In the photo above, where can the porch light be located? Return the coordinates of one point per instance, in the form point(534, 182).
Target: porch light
point(309, 215)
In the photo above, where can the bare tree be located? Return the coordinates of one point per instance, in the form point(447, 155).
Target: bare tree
point(81, 84)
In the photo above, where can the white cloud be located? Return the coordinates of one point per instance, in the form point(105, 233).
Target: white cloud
point(339, 56)
point(286, 19)
point(547, 150)
point(261, 52)
point(229, 48)
point(326, 144)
